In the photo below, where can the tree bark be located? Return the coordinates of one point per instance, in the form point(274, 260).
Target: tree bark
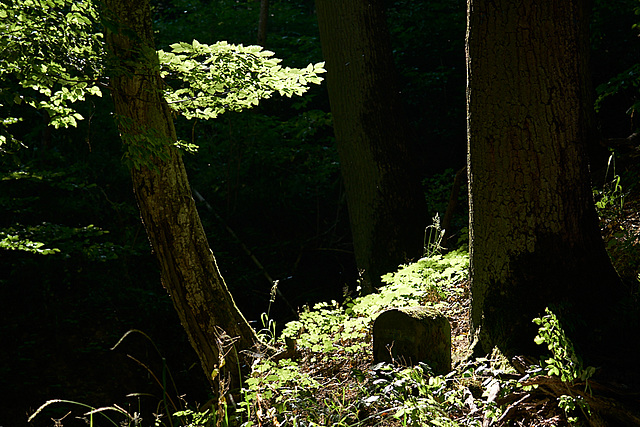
point(386, 204)
point(534, 231)
point(168, 211)
point(262, 22)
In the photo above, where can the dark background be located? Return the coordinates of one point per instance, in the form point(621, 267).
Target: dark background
point(272, 176)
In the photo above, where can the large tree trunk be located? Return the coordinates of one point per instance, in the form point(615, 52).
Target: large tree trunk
point(386, 205)
point(188, 268)
point(534, 231)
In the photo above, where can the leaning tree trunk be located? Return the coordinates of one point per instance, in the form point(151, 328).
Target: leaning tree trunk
point(534, 231)
point(188, 268)
point(387, 209)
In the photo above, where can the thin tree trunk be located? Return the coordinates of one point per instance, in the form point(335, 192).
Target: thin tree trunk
point(387, 209)
point(534, 231)
point(168, 211)
point(262, 22)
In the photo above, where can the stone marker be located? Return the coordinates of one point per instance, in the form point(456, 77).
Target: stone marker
point(412, 335)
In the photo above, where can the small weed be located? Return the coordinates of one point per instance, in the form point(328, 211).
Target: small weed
point(268, 332)
point(433, 236)
point(610, 199)
point(129, 420)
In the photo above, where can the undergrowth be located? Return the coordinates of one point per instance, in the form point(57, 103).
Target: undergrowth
point(617, 204)
point(329, 379)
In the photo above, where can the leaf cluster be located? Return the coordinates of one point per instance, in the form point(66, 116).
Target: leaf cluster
point(54, 54)
point(69, 241)
point(30, 196)
point(53, 50)
point(15, 242)
point(344, 328)
point(212, 79)
point(564, 363)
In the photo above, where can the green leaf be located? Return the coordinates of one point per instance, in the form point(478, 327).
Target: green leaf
point(224, 77)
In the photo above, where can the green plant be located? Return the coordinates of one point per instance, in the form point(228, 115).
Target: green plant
point(413, 396)
point(564, 362)
point(205, 418)
point(611, 196)
point(274, 390)
point(330, 326)
point(433, 238)
point(15, 242)
point(213, 79)
point(570, 403)
point(616, 219)
point(268, 332)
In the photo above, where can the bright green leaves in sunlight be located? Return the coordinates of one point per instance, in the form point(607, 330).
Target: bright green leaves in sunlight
point(331, 327)
point(207, 80)
point(564, 363)
point(87, 242)
point(50, 56)
point(14, 242)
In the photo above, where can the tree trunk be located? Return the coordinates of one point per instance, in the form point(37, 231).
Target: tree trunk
point(262, 22)
point(188, 268)
point(386, 204)
point(534, 231)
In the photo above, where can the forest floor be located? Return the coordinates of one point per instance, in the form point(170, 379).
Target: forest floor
point(606, 403)
point(596, 401)
point(113, 374)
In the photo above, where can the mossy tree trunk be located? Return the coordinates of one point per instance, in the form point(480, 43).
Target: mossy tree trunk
point(534, 233)
point(386, 204)
point(188, 268)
